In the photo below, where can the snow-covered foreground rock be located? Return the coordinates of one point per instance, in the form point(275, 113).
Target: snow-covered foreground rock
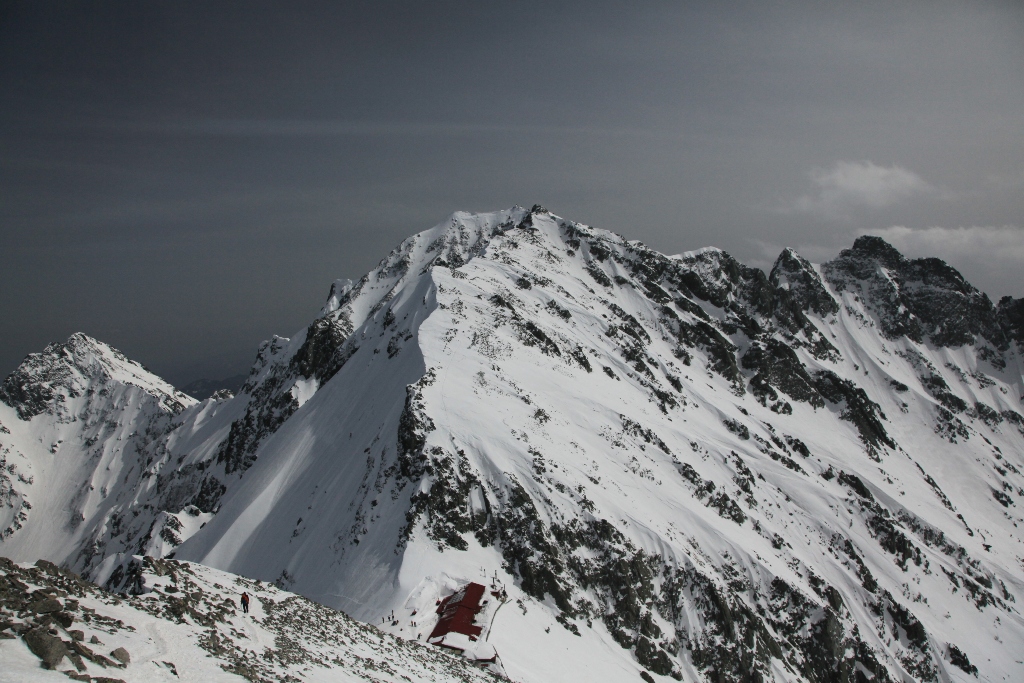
point(677, 465)
point(186, 624)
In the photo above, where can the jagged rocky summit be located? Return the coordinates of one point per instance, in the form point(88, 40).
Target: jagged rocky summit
point(678, 465)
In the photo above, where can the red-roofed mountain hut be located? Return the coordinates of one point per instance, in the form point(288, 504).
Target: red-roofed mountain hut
point(458, 611)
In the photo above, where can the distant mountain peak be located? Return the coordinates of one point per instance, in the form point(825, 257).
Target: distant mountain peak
point(798, 276)
point(874, 247)
point(918, 298)
point(67, 369)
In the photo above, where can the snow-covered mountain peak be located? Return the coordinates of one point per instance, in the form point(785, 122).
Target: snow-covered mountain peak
point(450, 243)
point(561, 400)
point(83, 427)
point(791, 266)
point(918, 298)
point(801, 280)
point(45, 381)
point(675, 465)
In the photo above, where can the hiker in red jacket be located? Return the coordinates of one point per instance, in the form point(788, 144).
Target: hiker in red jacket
point(245, 603)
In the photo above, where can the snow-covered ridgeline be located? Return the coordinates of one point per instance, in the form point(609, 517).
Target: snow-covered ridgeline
point(184, 622)
point(699, 469)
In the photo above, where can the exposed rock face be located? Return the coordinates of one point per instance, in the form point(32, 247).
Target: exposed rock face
point(918, 299)
point(734, 476)
point(1011, 319)
point(44, 604)
point(801, 285)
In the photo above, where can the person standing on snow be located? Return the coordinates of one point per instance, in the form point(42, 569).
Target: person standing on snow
point(245, 603)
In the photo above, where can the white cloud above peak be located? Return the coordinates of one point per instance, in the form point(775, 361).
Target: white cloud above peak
point(852, 184)
point(983, 243)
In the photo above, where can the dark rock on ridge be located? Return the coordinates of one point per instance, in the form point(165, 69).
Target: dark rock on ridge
point(121, 655)
point(916, 298)
point(802, 289)
point(1011, 319)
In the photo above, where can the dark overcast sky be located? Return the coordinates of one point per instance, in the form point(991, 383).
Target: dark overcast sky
point(183, 180)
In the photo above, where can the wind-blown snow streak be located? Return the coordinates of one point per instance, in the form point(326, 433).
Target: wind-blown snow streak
point(677, 464)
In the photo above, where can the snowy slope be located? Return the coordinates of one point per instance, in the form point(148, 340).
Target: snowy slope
point(83, 435)
point(185, 624)
point(675, 464)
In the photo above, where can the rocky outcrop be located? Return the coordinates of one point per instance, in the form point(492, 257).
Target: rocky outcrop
point(1010, 313)
point(915, 298)
point(801, 287)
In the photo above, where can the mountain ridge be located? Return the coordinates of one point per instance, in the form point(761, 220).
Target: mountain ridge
point(182, 622)
point(504, 390)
